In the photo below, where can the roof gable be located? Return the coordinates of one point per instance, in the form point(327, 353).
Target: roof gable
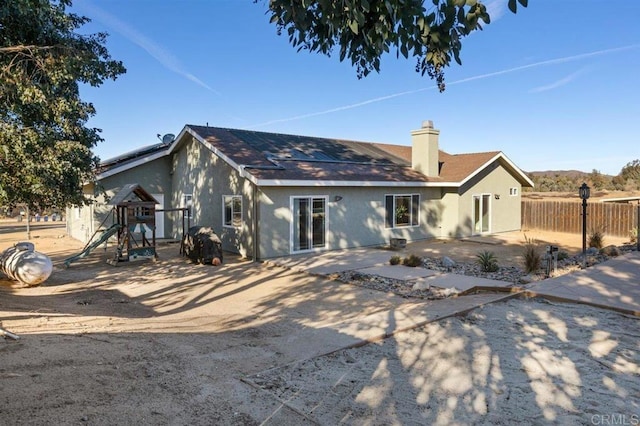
point(132, 192)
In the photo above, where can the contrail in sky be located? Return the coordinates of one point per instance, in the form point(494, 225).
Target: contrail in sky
point(152, 48)
point(464, 80)
point(559, 83)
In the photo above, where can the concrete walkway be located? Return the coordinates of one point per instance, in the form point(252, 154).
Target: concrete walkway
point(614, 284)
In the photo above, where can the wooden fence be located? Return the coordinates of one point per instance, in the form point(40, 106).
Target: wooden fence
point(615, 219)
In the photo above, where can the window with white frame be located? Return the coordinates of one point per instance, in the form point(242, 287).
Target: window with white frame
point(402, 210)
point(232, 214)
point(187, 202)
point(513, 191)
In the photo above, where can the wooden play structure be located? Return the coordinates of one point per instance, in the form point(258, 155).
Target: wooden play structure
point(133, 222)
point(135, 212)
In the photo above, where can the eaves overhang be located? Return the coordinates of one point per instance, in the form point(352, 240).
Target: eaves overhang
point(351, 183)
point(500, 156)
point(132, 164)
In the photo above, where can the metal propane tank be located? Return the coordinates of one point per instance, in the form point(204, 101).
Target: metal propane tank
point(22, 263)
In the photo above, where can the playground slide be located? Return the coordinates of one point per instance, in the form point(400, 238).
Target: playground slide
point(106, 234)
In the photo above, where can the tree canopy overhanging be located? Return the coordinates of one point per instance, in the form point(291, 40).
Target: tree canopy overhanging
point(45, 145)
point(431, 31)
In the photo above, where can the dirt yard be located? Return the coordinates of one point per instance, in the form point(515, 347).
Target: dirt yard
point(171, 343)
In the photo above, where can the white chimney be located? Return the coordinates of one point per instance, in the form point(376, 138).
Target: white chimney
point(424, 149)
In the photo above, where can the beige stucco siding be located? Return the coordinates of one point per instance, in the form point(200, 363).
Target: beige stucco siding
point(198, 172)
point(450, 226)
point(505, 209)
point(152, 176)
point(357, 219)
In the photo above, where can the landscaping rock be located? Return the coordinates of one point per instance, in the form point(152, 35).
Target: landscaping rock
point(448, 262)
point(612, 251)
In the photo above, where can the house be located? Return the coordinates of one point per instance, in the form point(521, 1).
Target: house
point(269, 195)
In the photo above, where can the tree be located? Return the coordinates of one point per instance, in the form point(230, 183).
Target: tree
point(364, 30)
point(45, 145)
point(631, 172)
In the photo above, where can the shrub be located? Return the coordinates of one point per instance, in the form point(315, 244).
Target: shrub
point(487, 261)
point(633, 235)
point(596, 239)
point(531, 255)
point(562, 255)
point(412, 260)
point(395, 260)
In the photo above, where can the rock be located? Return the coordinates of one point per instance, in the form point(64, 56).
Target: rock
point(421, 285)
point(448, 263)
point(526, 279)
point(592, 251)
point(612, 251)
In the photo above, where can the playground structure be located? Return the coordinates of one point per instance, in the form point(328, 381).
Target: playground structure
point(133, 218)
point(135, 211)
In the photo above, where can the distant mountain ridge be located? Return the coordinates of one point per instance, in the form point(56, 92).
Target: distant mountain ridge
point(566, 173)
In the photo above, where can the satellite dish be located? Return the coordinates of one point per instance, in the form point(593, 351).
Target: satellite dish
point(168, 138)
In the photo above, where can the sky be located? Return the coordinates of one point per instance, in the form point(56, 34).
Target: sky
point(554, 86)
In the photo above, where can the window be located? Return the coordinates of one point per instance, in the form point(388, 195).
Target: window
point(402, 210)
point(513, 191)
point(187, 202)
point(232, 214)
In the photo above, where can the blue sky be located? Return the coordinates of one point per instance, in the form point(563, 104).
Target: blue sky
point(553, 87)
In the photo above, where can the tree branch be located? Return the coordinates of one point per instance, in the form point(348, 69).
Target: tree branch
point(22, 48)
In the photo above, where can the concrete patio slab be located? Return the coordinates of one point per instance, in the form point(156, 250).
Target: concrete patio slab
point(399, 272)
point(332, 262)
point(614, 284)
point(463, 282)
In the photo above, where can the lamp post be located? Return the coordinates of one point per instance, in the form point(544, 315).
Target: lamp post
point(584, 192)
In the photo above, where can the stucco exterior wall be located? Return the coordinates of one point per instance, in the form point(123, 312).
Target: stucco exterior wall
point(505, 210)
point(357, 219)
point(198, 172)
point(152, 176)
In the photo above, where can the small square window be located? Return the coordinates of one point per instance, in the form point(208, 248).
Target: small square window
point(513, 191)
point(232, 214)
point(187, 202)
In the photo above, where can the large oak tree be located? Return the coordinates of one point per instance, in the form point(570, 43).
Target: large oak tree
point(45, 144)
point(431, 31)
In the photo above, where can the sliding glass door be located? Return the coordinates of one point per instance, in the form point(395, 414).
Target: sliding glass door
point(309, 225)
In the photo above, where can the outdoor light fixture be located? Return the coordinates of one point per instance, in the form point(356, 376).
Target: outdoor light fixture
point(337, 198)
point(497, 196)
point(584, 191)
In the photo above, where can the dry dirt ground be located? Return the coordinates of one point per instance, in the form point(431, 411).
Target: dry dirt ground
point(172, 343)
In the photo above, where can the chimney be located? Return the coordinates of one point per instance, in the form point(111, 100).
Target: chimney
point(424, 149)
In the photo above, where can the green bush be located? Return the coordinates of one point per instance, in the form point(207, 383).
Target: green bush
point(531, 255)
point(633, 235)
point(395, 260)
point(487, 261)
point(596, 239)
point(562, 255)
point(412, 260)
